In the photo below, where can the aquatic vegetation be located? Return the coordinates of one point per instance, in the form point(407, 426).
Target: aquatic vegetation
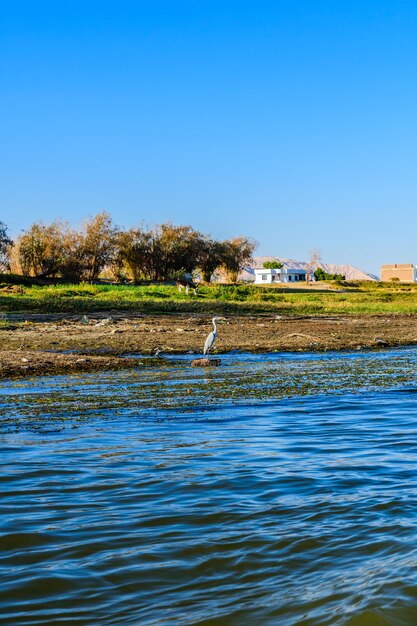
point(170, 385)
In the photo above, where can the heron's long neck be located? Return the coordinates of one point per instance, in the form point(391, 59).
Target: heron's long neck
point(214, 327)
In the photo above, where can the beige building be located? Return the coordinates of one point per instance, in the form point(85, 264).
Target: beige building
point(402, 272)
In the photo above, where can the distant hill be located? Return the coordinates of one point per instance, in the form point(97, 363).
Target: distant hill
point(349, 271)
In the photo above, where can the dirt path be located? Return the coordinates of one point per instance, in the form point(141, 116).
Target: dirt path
point(114, 334)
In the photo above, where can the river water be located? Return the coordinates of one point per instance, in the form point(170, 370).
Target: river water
point(275, 489)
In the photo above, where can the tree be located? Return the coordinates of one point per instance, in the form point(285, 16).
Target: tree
point(48, 251)
point(238, 253)
point(168, 251)
point(53, 250)
point(72, 263)
point(273, 265)
point(315, 260)
point(41, 250)
point(133, 257)
point(160, 253)
point(5, 244)
point(97, 245)
point(179, 250)
point(211, 256)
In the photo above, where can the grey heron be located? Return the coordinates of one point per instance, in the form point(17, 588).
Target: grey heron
point(211, 337)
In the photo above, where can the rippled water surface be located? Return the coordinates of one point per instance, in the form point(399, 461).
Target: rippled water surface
point(272, 490)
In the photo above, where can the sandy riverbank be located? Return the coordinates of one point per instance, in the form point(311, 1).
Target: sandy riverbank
point(37, 343)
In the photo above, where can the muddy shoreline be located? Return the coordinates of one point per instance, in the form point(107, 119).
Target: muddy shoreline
point(36, 344)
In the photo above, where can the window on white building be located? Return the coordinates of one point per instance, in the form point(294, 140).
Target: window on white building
point(264, 276)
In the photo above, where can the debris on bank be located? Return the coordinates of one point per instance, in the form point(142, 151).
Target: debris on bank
point(19, 363)
point(206, 362)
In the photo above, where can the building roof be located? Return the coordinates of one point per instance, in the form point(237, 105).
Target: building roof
point(287, 270)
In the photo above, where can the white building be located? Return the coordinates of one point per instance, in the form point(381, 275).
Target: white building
point(285, 275)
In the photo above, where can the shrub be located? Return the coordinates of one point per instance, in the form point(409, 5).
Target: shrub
point(320, 274)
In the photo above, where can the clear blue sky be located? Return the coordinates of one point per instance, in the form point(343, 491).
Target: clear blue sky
point(292, 121)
